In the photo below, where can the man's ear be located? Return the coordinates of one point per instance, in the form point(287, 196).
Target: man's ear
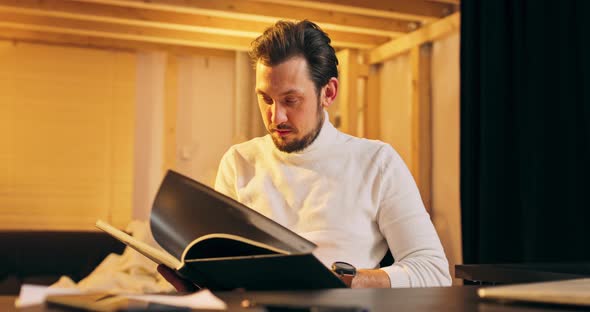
point(329, 92)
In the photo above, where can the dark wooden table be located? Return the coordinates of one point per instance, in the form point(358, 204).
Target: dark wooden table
point(427, 299)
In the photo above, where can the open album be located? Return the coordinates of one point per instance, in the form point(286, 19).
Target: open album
point(220, 244)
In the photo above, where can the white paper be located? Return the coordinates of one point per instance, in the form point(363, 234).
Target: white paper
point(202, 299)
point(34, 294)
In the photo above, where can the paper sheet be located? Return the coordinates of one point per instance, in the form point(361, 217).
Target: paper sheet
point(34, 294)
point(204, 299)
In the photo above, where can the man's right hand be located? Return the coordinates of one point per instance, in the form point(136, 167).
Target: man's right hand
point(181, 284)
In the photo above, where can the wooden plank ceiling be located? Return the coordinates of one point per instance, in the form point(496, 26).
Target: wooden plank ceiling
point(210, 26)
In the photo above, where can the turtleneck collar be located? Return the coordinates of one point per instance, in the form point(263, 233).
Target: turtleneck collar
point(326, 137)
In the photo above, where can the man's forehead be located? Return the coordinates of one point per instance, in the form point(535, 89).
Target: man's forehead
point(289, 76)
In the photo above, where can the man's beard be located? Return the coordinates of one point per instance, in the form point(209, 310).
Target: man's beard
point(300, 144)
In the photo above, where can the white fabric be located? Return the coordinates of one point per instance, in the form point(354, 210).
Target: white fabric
point(130, 272)
point(352, 197)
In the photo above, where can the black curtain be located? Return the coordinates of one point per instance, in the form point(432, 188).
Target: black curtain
point(525, 130)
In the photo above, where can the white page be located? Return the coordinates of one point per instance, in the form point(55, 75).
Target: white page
point(35, 294)
point(202, 299)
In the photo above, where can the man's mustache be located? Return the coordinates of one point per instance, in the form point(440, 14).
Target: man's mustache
point(273, 127)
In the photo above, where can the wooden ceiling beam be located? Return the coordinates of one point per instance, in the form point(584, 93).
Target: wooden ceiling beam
point(455, 2)
point(250, 10)
point(165, 20)
point(414, 10)
point(84, 41)
point(403, 44)
point(130, 32)
point(135, 16)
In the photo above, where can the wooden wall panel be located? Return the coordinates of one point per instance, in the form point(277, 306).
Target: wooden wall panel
point(395, 109)
point(348, 104)
point(421, 130)
point(372, 103)
point(205, 114)
point(170, 107)
point(67, 128)
point(445, 138)
point(406, 127)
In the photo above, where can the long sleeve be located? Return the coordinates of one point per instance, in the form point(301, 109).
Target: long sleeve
point(419, 256)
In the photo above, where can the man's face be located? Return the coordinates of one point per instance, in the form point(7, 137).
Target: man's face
point(289, 104)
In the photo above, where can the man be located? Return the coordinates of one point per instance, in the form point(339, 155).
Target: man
point(353, 197)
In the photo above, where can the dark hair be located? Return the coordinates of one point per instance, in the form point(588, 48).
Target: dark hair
point(286, 39)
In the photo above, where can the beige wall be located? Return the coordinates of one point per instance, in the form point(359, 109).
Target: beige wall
point(78, 126)
point(66, 118)
point(205, 114)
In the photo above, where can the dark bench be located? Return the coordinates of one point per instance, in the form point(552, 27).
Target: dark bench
point(39, 257)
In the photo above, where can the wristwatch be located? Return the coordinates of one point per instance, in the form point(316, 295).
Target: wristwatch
point(345, 270)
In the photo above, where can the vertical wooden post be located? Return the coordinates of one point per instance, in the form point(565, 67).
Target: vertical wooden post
point(347, 98)
point(149, 131)
point(373, 103)
point(170, 101)
point(244, 106)
point(421, 121)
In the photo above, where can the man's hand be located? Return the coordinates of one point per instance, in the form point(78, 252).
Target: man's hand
point(181, 284)
point(371, 279)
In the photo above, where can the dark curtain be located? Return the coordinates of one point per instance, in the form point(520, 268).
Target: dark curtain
point(525, 131)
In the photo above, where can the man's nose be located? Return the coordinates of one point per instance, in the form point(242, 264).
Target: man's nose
point(279, 114)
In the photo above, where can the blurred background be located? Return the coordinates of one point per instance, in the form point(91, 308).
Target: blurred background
point(98, 98)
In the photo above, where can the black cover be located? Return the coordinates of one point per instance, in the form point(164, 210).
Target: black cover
point(185, 210)
point(270, 272)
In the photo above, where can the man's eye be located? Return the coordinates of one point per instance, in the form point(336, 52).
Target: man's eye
point(267, 100)
point(290, 101)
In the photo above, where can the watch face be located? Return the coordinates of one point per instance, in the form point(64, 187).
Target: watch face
point(343, 268)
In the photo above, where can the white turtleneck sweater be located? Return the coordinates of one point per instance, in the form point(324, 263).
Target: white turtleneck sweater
point(352, 197)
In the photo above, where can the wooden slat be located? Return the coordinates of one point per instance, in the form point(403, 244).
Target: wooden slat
point(373, 103)
point(166, 20)
point(347, 93)
point(456, 2)
point(428, 33)
point(132, 16)
point(99, 35)
point(414, 10)
point(170, 109)
point(94, 42)
point(363, 70)
point(421, 119)
point(270, 12)
point(129, 32)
